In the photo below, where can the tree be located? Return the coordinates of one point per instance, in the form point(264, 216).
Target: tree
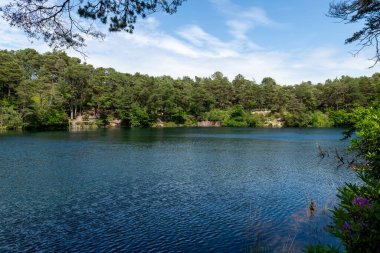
point(221, 88)
point(77, 78)
point(243, 92)
point(10, 73)
point(30, 61)
point(353, 11)
point(60, 23)
point(103, 83)
point(269, 94)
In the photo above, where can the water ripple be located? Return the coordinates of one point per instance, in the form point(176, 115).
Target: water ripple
point(164, 191)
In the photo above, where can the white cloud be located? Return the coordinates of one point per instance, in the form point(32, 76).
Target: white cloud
point(242, 20)
point(192, 51)
point(292, 67)
point(257, 15)
point(239, 29)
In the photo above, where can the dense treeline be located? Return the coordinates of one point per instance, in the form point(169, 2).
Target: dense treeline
point(47, 90)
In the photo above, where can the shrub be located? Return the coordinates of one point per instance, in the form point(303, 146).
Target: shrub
point(104, 119)
point(238, 118)
point(139, 117)
point(320, 119)
point(10, 118)
point(217, 115)
point(356, 219)
point(178, 116)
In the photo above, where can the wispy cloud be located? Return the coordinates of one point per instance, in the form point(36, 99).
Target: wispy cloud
point(13, 38)
point(241, 20)
point(193, 51)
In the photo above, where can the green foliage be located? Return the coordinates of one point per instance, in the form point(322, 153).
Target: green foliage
point(178, 116)
point(320, 119)
point(170, 124)
point(86, 117)
point(238, 117)
point(257, 119)
point(217, 115)
point(368, 142)
point(306, 119)
point(341, 118)
point(9, 117)
point(10, 74)
point(49, 119)
point(356, 219)
point(139, 117)
point(42, 88)
point(300, 119)
point(319, 248)
point(103, 119)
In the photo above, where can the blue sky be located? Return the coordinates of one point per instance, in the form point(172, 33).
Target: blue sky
point(291, 41)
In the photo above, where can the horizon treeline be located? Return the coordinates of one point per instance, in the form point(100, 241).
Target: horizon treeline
point(46, 90)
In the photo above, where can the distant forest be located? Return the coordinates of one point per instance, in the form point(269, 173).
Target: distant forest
point(46, 91)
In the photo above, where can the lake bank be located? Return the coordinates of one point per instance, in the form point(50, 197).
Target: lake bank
point(217, 118)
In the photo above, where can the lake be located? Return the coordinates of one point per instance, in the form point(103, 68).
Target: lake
point(167, 190)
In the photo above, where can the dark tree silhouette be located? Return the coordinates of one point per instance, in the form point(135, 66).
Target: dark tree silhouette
point(367, 11)
point(65, 23)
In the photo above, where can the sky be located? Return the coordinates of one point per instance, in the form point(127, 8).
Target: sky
point(291, 41)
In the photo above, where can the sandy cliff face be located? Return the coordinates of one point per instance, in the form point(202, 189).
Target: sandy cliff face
point(209, 124)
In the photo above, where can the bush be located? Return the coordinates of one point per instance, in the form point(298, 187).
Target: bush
point(258, 119)
point(104, 119)
point(235, 123)
point(320, 119)
point(139, 117)
point(341, 118)
point(356, 219)
point(10, 118)
point(239, 118)
point(170, 124)
point(306, 119)
point(217, 115)
point(298, 119)
point(54, 119)
point(178, 116)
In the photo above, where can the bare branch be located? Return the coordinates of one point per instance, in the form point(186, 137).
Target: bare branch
point(66, 23)
point(353, 11)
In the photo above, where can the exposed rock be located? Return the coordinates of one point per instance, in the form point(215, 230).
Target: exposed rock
point(261, 112)
point(159, 123)
point(88, 120)
point(209, 124)
point(114, 123)
point(274, 123)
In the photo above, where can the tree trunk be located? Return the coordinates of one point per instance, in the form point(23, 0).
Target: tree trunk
point(71, 105)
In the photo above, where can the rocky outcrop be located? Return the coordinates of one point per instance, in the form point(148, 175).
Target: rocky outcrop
point(114, 123)
point(209, 124)
point(261, 112)
point(276, 123)
point(89, 121)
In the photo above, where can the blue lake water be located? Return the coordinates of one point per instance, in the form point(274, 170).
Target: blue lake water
point(168, 190)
